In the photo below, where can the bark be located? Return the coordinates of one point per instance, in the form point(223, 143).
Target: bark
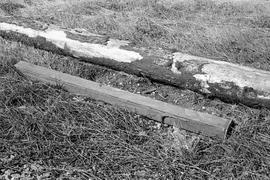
point(227, 81)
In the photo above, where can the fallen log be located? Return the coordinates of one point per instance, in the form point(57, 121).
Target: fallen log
point(227, 81)
point(190, 120)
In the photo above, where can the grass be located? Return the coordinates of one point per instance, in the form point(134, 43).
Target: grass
point(48, 127)
point(235, 32)
point(45, 132)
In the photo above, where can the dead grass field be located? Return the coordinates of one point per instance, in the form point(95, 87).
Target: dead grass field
point(46, 132)
point(236, 32)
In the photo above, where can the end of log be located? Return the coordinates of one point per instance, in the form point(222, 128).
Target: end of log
point(230, 82)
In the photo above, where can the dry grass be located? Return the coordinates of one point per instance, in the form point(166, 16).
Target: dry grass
point(236, 32)
point(47, 132)
point(65, 136)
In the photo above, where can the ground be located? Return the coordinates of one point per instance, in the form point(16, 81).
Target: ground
point(47, 133)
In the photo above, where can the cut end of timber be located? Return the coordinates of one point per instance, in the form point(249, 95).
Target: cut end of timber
point(77, 48)
point(178, 116)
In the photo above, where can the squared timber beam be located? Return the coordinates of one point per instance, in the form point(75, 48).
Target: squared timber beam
point(178, 116)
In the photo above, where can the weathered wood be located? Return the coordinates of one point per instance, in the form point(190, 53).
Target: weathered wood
point(227, 81)
point(190, 120)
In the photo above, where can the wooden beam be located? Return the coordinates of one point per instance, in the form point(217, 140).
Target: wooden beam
point(227, 81)
point(190, 120)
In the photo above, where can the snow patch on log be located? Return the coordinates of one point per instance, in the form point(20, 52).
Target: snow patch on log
point(81, 31)
point(117, 43)
point(175, 60)
point(78, 49)
point(265, 97)
point(223, 73)
point(182, 57)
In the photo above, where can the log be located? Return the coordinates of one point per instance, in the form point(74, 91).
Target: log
point(229, 82)
point(178, 116)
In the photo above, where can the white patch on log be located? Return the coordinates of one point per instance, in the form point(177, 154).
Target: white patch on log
point(83, 32)
point(175, 59)
point(174, 69)
point(12, 27)
point(117, 43)
point(222, 72)
point(77, 48)
point(179, 57)
point(266, 97)
point(204, 84)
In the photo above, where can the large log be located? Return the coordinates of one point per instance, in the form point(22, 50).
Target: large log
point(197, 122)
point(227, 81)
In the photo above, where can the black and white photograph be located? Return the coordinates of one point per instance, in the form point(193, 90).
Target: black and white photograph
point(135, 89)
